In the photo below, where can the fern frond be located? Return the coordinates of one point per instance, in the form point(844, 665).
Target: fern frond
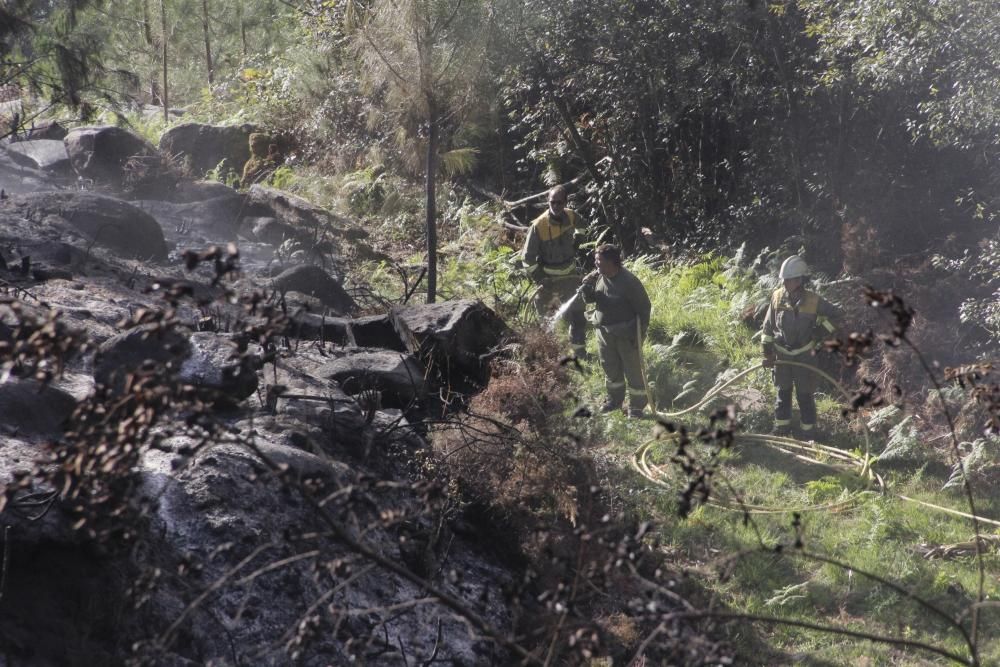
point(459, 162)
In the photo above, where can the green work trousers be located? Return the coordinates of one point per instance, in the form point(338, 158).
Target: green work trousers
point(621, 359)
point(803, 381)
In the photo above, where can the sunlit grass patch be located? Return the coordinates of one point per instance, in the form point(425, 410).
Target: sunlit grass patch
point(770, 508)
point(695, 300)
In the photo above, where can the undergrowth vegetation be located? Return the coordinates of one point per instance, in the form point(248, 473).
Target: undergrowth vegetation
point(827, 547)
point(531, 471)
point(534, 461)
point(751, 122)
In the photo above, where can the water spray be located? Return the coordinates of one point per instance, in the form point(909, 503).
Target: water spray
point(564, 308)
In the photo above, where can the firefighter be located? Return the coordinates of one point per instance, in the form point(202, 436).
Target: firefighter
point(621, 317)
point(549, 258)
point(794, 318)
point(261, 164)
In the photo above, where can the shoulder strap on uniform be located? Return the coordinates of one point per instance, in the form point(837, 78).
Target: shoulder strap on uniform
point(547, 231)
point(776, 297)
point(810, 303)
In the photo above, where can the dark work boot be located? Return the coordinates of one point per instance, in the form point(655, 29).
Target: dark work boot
point(611, 406)
point(812, 433)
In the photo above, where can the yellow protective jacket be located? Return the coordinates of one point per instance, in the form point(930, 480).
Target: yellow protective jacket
point(551, 245)
point(791, 323)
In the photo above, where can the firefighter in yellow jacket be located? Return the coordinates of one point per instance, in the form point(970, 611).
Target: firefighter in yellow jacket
point(797, 320)
point(264, 159)
point(549, 258)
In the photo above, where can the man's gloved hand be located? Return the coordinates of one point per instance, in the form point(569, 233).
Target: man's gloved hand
point(537, 274)
point(586, 290)
point(769, 355)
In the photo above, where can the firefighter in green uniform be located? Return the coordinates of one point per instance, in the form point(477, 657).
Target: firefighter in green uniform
point(790, 334)
point(550, 259)
point(264, 159)
point(621, 317)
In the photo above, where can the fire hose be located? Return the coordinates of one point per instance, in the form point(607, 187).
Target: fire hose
point(655, 471)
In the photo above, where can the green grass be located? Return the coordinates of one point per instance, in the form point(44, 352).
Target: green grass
point(694, 300)
point(882, 534)
point(697, 335)
point(693, 338)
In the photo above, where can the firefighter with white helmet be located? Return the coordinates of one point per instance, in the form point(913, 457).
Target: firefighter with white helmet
point(796, 320)
point(793, 267)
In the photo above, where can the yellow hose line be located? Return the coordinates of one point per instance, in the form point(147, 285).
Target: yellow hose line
point(642, 464)
point(948, 510)
point(708, 396)
point(797, 448)
point(650, 399)
point(720, 386)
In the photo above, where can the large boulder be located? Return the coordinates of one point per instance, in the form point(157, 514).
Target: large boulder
point(369, 331)
point(314, 281)
point(127, 352)
point(222, 538)
point(213, 364)
point(17, 178)
point(118, 161)
point(102, 153)
point(269, 560)
point(203, 148)
point(306, 325)
point(218, 217)
point(192, 191)
point(397, 377)
point(49, 259)
point(105, 221)
point(205, 359)
point(303, 401)
point(45, 154)
point(270, 202)
point(28, 407)
point(47, 129)
point(457, 339)
point(271, 231)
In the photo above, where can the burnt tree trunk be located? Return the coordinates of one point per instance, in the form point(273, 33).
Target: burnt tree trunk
point(208, 42)
point(431, 204)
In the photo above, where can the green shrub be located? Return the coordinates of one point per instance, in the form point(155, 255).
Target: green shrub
point(223, 173)
point(364, 191)
point(283, 177)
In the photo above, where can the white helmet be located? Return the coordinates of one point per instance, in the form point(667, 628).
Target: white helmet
point(793, 267)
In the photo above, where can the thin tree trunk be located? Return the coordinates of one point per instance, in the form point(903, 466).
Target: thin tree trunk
point(243, 29)
point(163, 38)
point(431, 205)
point(147, 28)
point(208, 42)
point(147, 35)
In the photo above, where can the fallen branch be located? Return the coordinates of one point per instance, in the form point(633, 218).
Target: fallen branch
point(510, 206)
